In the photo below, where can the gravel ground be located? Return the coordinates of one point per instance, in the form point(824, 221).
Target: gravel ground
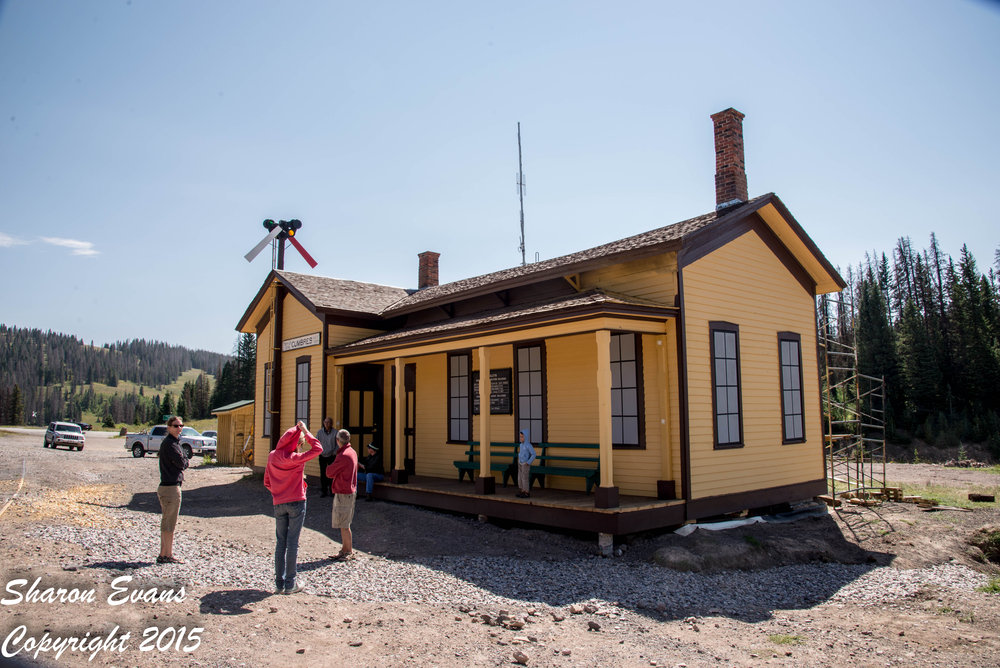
point(430, 588)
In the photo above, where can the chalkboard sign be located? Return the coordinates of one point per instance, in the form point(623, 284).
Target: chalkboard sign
point(500, 387)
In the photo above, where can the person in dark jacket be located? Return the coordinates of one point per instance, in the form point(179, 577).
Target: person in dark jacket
point(172, 465)
point(370, 470)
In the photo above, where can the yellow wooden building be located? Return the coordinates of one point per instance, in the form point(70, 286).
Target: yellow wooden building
point(675, 370)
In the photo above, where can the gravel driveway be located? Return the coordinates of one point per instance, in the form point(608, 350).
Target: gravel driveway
point(440, 589)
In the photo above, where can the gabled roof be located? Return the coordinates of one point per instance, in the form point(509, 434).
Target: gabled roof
point(376, 302)
point(651, 242)
point(322, 294)
point(337, 294)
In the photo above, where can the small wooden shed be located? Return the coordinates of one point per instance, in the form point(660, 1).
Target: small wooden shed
point(235, 430)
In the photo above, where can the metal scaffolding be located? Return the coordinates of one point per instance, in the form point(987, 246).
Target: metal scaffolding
point(853, 407)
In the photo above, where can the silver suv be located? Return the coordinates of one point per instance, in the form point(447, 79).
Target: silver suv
point(64, 433)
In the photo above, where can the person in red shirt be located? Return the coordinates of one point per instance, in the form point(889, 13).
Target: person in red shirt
point(344, 474)
point(285, 479)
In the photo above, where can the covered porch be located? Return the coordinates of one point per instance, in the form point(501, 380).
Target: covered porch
point(558, 508)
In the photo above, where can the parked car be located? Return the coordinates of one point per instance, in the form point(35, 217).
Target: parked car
point(82, 425)
point(191, 442)
point(211, 433)
point(64, 433)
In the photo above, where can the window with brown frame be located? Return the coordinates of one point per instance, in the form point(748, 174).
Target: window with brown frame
point(266, 429)
point(626, 391)
point(302, 368)
point(726, 400)
point(459, 397)
point(792, 406)
point(530, 371)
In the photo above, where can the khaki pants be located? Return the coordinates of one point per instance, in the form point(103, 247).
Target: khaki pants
point(343, 511)
point(170, 504)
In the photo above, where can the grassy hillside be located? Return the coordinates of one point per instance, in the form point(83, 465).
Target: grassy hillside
point(174, 388)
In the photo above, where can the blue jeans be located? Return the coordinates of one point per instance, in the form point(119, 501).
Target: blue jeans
point(369, 480)
point(288, 520)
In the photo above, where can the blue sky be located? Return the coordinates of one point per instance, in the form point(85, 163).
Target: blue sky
point(142, 143)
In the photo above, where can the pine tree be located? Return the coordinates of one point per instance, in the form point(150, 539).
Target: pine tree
point(17, 406)
point(167, 406)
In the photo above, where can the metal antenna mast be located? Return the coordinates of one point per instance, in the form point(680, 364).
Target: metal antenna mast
point(520, 189)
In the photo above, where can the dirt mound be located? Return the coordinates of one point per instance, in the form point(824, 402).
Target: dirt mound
point(757, 546)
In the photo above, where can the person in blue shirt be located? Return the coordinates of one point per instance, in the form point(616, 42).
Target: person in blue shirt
point(525, 456)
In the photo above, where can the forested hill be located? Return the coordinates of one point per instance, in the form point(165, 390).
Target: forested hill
point(48, 376)
point(31, 358)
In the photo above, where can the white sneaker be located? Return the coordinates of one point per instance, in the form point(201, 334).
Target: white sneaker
point(294, 590)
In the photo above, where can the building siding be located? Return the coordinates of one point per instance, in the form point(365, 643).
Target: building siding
point(745, 284)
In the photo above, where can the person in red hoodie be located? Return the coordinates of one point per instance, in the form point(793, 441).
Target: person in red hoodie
point(285, 479)
point(344, 474)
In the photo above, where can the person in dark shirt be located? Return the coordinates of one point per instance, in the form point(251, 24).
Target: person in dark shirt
point(370, 470)
point(172, 465)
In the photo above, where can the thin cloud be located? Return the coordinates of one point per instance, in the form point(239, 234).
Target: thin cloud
point(6, 241)
point(78, 247)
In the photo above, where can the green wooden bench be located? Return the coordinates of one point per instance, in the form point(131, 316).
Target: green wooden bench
point(503, 458)
point(546, 464)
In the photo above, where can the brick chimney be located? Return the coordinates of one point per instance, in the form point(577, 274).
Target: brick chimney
point(427, 274)
point(730, 169)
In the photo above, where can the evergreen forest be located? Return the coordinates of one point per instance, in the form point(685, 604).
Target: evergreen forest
point(929, 325)
point(47, 376)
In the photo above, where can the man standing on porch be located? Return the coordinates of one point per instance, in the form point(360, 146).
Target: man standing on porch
point(344, 474)
point(525, 457)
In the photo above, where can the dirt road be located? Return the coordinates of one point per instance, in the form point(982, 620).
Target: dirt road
point(892, 586)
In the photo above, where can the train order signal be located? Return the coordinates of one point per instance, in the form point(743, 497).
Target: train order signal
point(281, 230)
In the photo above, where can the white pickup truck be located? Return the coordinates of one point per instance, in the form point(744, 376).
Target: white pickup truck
point(191, 442)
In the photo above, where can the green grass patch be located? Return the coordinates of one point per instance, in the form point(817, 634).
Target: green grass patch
point(128, 387)
point(991, 587)
point(785, 639)
point(753, 542)
point(995, 470)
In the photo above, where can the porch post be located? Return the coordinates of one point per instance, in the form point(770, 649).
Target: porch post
point(399, 391)
point(606, 494)
point(337, 395)
point(665, 487)
point(485, 483)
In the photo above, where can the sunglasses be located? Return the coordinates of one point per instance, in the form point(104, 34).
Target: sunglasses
point(176, 425)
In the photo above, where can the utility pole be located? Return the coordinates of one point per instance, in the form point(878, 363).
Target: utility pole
point(520, 189)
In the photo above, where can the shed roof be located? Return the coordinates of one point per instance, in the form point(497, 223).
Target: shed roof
point(233, 406)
